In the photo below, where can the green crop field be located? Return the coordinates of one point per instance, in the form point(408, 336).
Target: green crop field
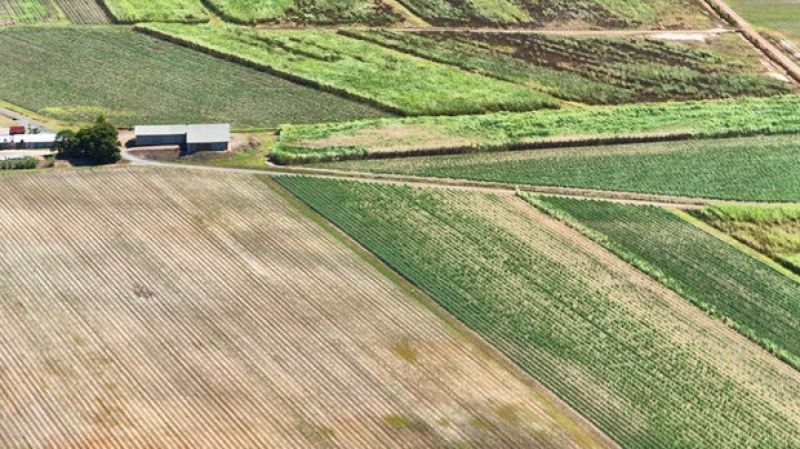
point(596, 70)
point(351, 67)
point(27, 11)
point(133, 11)
point(752, 168)
point(83, 11)
point(754, 298)
point(137, 79)
point(564, 13)
point(494, 132)
point(773, 230)
point(648, 368)
point(780, 18)
point(325, 12)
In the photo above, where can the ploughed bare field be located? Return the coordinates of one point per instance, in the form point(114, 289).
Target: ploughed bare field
point(169, 309)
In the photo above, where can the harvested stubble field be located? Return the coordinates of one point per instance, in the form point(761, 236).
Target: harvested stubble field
point(133, 11)
point(393, 80)
point(171, 309)
point(27, 11)
point(323, 12)
point(751, 296)
point(644, 364)
point(773, 230)
point(564, 13)
point(597, 70)
point(764, 168)
point(83, 11)
point(136, 79)
point(496, 132)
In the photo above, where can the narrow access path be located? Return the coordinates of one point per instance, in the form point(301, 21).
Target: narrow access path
point(764, 45)
point(457, 184)
point(23, 120)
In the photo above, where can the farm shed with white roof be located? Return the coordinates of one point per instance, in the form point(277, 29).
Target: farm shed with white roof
point(27, 141)
point(192, 138)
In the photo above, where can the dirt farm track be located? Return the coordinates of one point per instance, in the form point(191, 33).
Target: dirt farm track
point(153, 308)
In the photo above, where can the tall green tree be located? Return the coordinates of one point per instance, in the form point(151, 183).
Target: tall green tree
point(97, 143)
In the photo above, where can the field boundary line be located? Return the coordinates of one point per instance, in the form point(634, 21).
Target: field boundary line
point(667, 281)
point(353, 34)
point(634, 198)
point(725, 12)
point(488, 30)
point(733, 241)
point(264, 68)
point(107, 11)
point(405, 11)
point(453, 323)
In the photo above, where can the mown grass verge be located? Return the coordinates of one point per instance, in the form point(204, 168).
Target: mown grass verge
point(645, 122)
point(748, 295)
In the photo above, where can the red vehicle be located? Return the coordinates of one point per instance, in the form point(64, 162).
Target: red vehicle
point(16, 130)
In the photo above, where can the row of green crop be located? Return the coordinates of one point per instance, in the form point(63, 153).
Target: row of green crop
point(591, 70)
point(25, 163)
point(84, 11)
point(620, 354)
point(755, 299)
point(368, 72)
point(763, 168)
point(27, 11)
point(136, 79)
point(494, 132)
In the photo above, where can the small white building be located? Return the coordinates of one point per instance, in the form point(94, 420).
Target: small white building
point(211, 137)
point(27, 141)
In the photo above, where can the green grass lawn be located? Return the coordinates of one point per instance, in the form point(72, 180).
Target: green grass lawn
point(753, 168)
point(756, 299)
point(773, 230)
point(369, 72)
point(136, 79)
point(646, 367)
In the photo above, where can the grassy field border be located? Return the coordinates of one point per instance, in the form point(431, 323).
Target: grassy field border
point(733, 241)
point(656, 274)
point(560, 410)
